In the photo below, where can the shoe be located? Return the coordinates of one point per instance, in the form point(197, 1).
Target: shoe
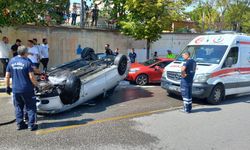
point(22, 126)
point(33, 128)
point(184, 111)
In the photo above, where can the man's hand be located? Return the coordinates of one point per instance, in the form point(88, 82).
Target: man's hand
point(8, 90)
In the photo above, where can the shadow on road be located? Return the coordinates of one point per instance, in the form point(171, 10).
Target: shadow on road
point(197, 110)
point(64, 123)
point(120, 95)
point(239, 98)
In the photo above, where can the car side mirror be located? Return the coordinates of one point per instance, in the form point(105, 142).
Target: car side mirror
point(157, 68)
point(229, 62)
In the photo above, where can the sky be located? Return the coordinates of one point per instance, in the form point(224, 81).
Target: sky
point(79, 1)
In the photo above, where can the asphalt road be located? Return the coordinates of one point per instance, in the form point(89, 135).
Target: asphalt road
point(110, 124)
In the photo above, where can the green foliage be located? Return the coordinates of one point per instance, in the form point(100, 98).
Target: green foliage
point(206, 16)
point(222, 15)
point(238, 16)
point(115, 8)
point(145, 19)
point(16, 12)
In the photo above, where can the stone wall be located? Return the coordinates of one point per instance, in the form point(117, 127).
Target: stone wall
point(63, 41)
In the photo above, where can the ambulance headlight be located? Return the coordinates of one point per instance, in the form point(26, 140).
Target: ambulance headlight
point(201, 77)
point(164, 74)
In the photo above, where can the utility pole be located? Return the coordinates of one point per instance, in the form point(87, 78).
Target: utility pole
point(82, 22)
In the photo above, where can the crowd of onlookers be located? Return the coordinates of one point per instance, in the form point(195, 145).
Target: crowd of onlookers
point(37, 53)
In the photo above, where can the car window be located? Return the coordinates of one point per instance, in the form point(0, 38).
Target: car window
point(233, 55)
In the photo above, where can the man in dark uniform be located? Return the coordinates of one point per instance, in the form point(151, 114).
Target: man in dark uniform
point(23, 82)
point(132, 55)
point(187, 74)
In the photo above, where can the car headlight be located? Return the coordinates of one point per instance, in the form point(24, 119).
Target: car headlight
point(201, 77)
point(133, 70)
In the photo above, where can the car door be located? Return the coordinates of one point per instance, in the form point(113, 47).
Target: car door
point(157, 70)
point(230, 71)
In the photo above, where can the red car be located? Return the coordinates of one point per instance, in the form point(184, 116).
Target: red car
point(147, 72)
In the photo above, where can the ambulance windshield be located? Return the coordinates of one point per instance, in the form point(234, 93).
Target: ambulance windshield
point(211, 54)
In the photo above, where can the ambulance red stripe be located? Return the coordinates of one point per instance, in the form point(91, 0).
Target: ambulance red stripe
point(226, 72)
point(243, 42)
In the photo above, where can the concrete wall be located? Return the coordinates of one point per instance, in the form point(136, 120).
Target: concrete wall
point(173, 42)
point(63, 41)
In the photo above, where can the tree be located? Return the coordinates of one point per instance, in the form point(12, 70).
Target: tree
point(206, 15)
point(16, 12)
point(237, 15)
point(146, 19)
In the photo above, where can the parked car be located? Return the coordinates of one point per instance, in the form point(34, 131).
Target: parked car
point(148, 72)
point(71, 84)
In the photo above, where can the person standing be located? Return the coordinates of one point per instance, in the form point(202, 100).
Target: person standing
point(74, 15)
point(170, 55)
point(155, 55)
point(15, 46)
point(132, 55)
point(4, 53)
point(23, 83)
point(45, 54)
point(33, 53)
point(116, 53)
point(95, 14)
point(187, 73)
point(108, 51)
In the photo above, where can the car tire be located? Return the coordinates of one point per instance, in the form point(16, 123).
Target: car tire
point(217, 95)
point(121, 61)
point(141, 79)
point(71, 92)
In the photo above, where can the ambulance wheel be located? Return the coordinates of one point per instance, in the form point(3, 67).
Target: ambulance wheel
point(141, 79)
point(217, 95)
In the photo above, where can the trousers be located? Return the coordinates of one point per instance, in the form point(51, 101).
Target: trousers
point(28, 101)
point(186, 93)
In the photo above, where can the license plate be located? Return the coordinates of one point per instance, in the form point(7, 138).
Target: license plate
point(174, 88)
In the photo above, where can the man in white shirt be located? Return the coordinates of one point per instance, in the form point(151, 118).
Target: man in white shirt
point(34, 54)
point(4, 53)
point(45, 54)
point(40, 49)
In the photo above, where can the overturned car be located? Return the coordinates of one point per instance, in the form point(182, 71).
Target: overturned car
point(71, 84)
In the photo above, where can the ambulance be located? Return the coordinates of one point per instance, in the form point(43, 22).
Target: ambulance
point(223, 67)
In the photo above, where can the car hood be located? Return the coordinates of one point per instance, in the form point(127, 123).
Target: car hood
point(201, 68)
point(136, 65)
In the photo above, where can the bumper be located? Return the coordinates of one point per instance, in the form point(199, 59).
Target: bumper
point(130, 77)
point(199, 90)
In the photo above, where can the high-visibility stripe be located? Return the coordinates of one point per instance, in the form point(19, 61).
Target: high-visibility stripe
point(244, 42)
point(228, 72)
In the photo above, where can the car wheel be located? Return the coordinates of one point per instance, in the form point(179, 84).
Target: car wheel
point(121, 61)
point(217, 95)
point(141, 79)
point(71, 92)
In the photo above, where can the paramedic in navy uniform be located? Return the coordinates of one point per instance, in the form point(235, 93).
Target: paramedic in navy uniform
point(23, 82)
point(187, 74)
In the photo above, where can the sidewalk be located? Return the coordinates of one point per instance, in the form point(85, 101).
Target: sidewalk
point(217, 127)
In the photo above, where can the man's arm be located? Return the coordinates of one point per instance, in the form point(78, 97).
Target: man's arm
point(7, 79)
point(183, 72)
point(32, 78)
